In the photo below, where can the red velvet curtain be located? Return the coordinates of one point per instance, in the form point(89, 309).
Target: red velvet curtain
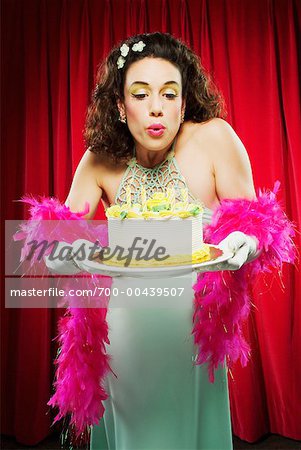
point(50, 52)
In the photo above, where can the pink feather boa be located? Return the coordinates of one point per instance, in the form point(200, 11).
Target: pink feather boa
point(82, 362)
point(221, 302)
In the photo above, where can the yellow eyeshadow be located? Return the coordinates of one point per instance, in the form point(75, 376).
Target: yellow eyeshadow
point(145, 91)
point(172, 87)
point(138, 91)
point(136, 86)
point(170, 91)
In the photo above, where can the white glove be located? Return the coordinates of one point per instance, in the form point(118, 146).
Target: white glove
point(244, 248)
point(69, 264)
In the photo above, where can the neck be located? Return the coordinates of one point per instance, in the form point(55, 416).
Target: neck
point(150, 158)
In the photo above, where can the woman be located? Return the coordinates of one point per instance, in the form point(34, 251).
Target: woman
point(155, 121)
point(174, 92)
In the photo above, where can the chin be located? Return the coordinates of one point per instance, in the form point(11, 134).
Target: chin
point(158, 144)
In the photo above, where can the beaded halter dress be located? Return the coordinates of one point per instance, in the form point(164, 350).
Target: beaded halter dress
point(159, 178)
point(158, 399)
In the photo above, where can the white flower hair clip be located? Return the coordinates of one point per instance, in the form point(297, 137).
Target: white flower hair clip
point(120, 62)
point(124, 51)
point(138, 47)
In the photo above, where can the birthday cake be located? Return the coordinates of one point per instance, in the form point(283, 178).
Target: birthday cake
point(157, 231)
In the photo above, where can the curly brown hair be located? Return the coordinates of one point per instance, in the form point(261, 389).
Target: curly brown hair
point(104, 133)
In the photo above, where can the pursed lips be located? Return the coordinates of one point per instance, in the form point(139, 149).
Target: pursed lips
point(156, 126)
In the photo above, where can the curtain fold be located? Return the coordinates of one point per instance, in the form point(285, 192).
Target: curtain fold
point(50, 53)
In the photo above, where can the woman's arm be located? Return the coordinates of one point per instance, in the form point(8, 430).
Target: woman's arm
point(232, 168)
point(85, 189)
point(233, 180)
point(86, 185)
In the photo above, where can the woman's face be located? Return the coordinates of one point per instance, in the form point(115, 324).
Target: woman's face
point(153, 103)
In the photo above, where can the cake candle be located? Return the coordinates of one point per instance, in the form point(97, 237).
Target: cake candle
point(128, 196)
point(172, 197)
point(168, 193)
point(184, 193)
point(143, 198)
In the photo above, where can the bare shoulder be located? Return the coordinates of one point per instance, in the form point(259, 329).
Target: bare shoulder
point(227, 154)
point(211, 125)
point(217, 138)
point(93, 181)
point(214, 131)
point(89, 161)
point(97, 165)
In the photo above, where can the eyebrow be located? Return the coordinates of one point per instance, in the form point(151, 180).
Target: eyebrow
point(147, 84)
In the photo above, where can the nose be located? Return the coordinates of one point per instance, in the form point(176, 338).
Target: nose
point(156, 108)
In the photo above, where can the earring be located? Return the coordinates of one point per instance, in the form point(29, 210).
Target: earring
point(122, 118)
point(182, 116)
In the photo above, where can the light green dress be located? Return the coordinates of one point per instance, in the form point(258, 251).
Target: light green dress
point(159, 399)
